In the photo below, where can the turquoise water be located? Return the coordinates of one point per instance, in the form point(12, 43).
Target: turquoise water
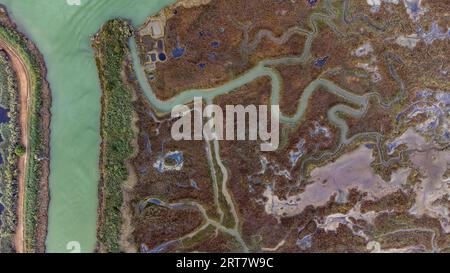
point(62, 33)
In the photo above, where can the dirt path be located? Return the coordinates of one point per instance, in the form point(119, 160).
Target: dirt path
point(24, 91)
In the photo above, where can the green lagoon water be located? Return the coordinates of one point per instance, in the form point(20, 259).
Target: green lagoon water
point(62, 33)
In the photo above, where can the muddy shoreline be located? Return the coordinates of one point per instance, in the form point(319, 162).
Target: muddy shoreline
point(45, 118)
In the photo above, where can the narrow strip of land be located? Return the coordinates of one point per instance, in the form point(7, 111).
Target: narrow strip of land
point(23, 85)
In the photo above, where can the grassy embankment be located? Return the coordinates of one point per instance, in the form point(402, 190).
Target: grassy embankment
point(10, 137)
point(33, 172)
point(111, 46)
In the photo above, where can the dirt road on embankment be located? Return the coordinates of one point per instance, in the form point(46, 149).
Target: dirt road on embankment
point(23, 81)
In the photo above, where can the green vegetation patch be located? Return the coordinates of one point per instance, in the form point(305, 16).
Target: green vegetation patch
point(111, 45)
point(8, 169)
